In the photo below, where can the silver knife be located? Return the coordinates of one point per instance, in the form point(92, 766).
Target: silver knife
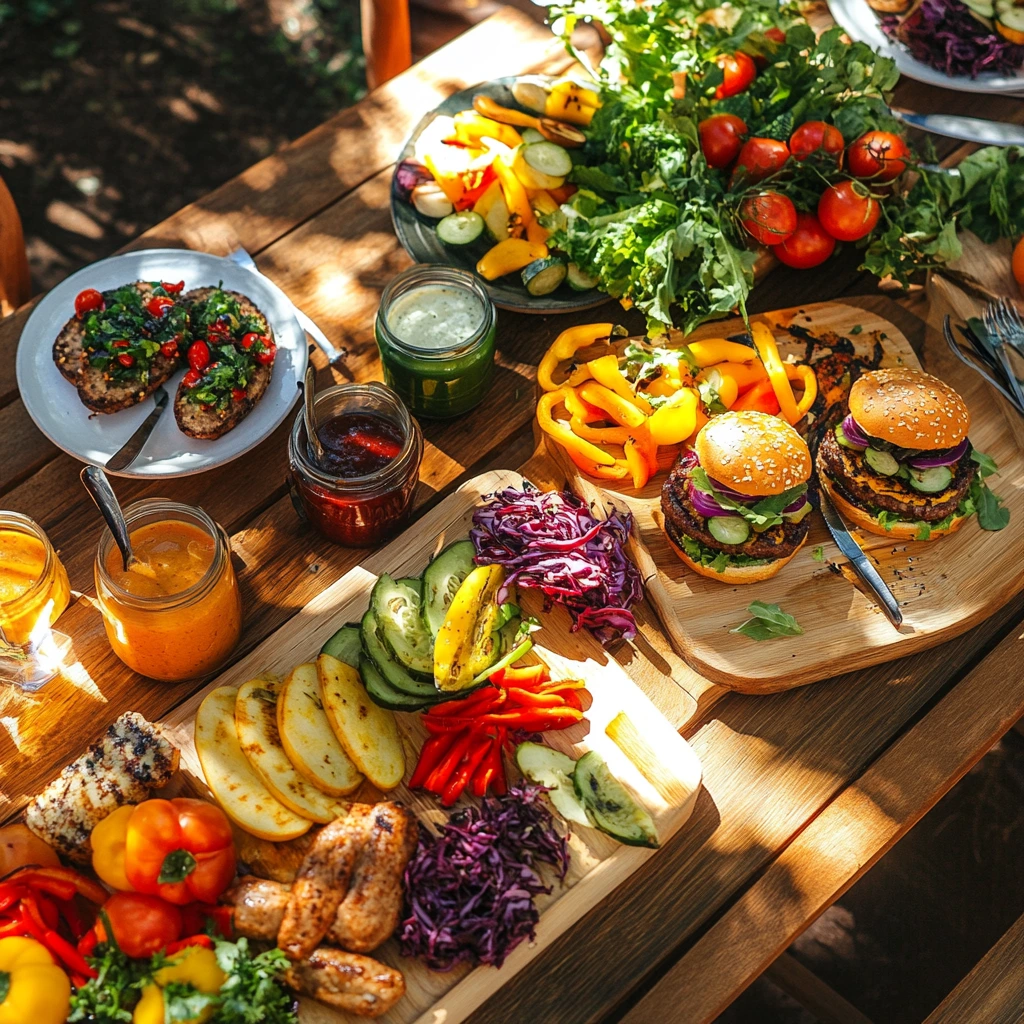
point(861, 563)
point(130, 450)
point(968, 129)
point(334, 357)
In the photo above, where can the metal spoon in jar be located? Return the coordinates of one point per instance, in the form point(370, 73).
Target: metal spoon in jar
point(98, 486)
point(312, 438)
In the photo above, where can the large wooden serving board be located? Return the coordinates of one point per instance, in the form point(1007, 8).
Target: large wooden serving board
point(943, 587)
point(668, 789)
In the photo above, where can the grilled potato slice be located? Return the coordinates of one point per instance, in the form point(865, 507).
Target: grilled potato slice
point(232, 780)
point(256, 722)
point(368, 733)
point(307, 736)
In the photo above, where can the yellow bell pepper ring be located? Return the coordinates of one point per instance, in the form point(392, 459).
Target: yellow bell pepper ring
point(194, 965)
point(562, 432)
point(578, 409)
point(626, 414)
point(508, 256)
point(769, 353)
point(33, 989)
point(108, 842)
point(606, 371)
point(804, 373)
point(565, 346)
point(599, 435)
point(618, 471)
point(675, 421)
point(718, 350)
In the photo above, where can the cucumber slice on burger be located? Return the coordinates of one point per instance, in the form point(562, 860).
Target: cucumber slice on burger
point(931, 481)
point(881, 462)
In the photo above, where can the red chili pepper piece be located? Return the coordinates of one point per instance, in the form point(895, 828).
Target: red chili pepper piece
point(193, 940)
point(92, 891)
point(72, 918)
point(430, 757)
point(48, 912)
point(441, 775)
point(32, 920)
point(68, 955)
point(465, 770)
point(88, 942)
point(381, 446)
point(11, 926)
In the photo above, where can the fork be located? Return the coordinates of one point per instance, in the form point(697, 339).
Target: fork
point(1005, 328)
point(973, 362)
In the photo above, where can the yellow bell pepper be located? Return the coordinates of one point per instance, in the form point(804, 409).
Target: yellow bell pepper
point(804, 373)
point(605, 370)
point(578, 409)
point(746, 375)
point(108, 841)
point(566, 105)
point(702, 418)
point(769, 353)
point(674, 422)
point(536, 233)
point(624, 413)
point(194, 965)
point(663, 386)
point(599, 435)
point(471, 128)
point(490, 196)
point(565, 346)
point(718, 350)
point(588, 97)
point(562, 432)
point(464, 647)
point(520, 213)
point(639, 470)
point(508, 256)
point(617, 471)
point(33, 989)
point(724, 384)
point(542, 202)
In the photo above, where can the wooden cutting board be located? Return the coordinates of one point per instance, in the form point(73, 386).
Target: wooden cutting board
point(943, 587)
point(668, 789)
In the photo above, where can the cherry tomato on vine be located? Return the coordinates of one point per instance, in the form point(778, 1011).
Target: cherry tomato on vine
point(813, 136)
point(199, 355)
point(847, 211)
point(158, 305)
point(88, 300)
point(757, 159)
point(878, 155)
point(809, 245)
point(769, 216)
point(739, 72)
point(720, 141)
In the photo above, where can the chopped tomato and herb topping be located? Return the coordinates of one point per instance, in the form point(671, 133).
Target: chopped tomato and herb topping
point(223, 378)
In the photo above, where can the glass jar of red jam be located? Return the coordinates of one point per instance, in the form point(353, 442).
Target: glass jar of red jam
point(363, 489)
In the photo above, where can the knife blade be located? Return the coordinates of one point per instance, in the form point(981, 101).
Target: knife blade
point(860, 562)
point(967, 129)
point(130, 450)
point(334, 357)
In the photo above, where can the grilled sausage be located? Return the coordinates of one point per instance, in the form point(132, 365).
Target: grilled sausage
point(347, 981)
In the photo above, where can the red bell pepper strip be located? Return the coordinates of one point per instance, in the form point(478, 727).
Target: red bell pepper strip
point(70, 913)
point(88, 942)
point(534, 700)
point(68, 955)
point(193, 940)
point(545, 718)
point(31, 921)
point(11, 926)
point(465, 771)
point(36, 877)
point(440, 726)
point(558, 685)
point(490, 769)
point(440, 776)
point(430, 757)
point(525, 675)
point(9, 895)
point(483, 698)
point(48, 912)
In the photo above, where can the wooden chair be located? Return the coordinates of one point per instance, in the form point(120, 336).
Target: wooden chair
point(387, 40)
point(15, 285)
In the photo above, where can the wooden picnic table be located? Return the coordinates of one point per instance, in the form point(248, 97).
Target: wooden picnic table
point(804, 790)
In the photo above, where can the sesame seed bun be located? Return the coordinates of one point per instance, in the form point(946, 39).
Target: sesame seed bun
point(735, 574)
point(862, 519)
point(909, 408)
point(754, 453)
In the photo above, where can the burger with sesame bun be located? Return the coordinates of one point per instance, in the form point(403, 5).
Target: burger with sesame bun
point(735, 505)
point(900, 463)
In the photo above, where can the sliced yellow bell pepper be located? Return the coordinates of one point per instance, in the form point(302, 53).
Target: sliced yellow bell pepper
point(764, 340)
point(508, 256)
point(663, 386)
point(624, 413)
point(542, 202)
point(806, 374)
point(745, 374)
point(520, 213)
point(33, 989)
point(674, 422)
point(599, 435)
point(565, 346)
point(567, 106)
point(718, 350)
point(194, 965)
point(464, 647)
point(108, 842)
point(605, 370)
point(588, 97)
point(471, 128)
point(724, 384)
point(579, 409)
point(490, 196)
point(562, 432)
point(537, 233)
point(637, 463)
point(618, 471)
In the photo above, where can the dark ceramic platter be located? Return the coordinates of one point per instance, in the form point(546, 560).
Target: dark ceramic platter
point(420, 241)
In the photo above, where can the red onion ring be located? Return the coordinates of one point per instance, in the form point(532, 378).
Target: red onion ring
point(946, 458)
point(798, 504)
point(854, 434)
point(705, 505)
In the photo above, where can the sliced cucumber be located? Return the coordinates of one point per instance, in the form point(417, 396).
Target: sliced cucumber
point(396, 605)
point(579, 280)
point(543, 276)
point(845, 441)
point(881, 462)
point(442, 579)
point(547, 158)
point(462, 228)
point(930, 481)
point(609, 805)
point(530, 176)
point(395, 674)
point(553, 769)
point(531, 135)
point(729, 529)
point(346, 645)
point(383, 694)
point(496, 219)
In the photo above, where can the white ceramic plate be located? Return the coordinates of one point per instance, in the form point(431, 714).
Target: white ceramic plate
point(861, 25)
point(53, 402)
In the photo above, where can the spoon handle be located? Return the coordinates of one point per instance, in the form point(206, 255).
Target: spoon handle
point(98, 486)
point(312, 437)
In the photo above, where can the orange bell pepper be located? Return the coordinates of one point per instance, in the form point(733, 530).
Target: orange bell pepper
point(617, 471)
point(761, 398)
point(637, 462)
point(624, 413)
point(804, 373)
point(605, 370)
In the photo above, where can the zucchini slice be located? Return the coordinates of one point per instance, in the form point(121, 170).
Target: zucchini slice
point(442, 579)
point(579, 280)
point(496, 219)
point(396, 675)
point(346, 645)
point(609, 805)
point(396, 605)
point(543, 276)
point(552, 768)
point(531, 135)
point(548, 158)
point(462, 228)
point(384, 695)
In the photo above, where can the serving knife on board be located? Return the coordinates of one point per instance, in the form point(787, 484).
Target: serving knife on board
point(132, 448)
point(860, 562)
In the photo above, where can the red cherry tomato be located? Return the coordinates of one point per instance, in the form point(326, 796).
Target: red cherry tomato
point(720, 139)
point(238, 394)
point(878, 155)
point(769, 216)
point(141, 924)
point(120, 344)
point(172, 289)
point(267, 356)
point(199, 355)
point(169, 350)
point(192, 378)
point(126, 359)
point(758, 158)
point(88, 300)
point(158, 305)
point(775, 34)
point(739, 71)
point(813, 136)
point(809, 245)
point(847, 211)
point(250, 339)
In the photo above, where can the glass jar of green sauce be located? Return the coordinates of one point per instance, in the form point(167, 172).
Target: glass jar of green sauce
point(435, 331)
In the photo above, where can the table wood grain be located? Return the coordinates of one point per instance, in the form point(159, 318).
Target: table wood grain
point(315, 217)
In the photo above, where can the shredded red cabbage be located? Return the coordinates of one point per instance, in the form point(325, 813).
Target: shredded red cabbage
point(945, 35)
point(550, 542)
point(469, 893)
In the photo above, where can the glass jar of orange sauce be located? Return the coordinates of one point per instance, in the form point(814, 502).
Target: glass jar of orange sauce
point(34, 588)
point(176, 613)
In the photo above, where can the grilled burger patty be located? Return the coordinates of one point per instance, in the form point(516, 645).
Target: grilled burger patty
point(858, 483)
point(682, 518)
